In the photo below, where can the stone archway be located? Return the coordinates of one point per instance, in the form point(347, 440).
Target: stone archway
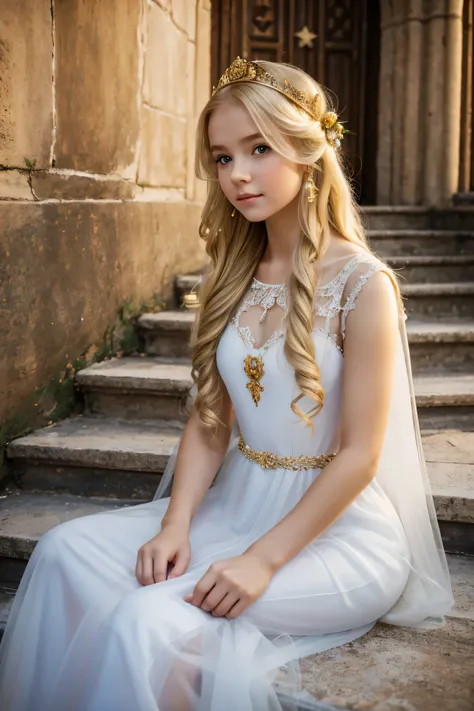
point(419, 101)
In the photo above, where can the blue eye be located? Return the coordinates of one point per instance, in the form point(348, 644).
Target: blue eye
point(265, 149)
point(221, 158)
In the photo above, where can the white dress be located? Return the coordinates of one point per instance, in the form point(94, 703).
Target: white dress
point(85, 635)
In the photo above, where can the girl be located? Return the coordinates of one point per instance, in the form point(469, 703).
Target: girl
point(320, 520)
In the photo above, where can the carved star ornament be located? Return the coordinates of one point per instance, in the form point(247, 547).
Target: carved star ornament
point(305, 37)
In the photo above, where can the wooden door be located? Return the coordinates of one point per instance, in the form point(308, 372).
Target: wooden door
point(326, 38)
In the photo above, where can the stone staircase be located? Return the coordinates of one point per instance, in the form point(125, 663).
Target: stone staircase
point(114, 453)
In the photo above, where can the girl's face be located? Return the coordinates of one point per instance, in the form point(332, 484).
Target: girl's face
point(256, 179)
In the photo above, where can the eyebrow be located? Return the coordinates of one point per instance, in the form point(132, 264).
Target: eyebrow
point(247, 139)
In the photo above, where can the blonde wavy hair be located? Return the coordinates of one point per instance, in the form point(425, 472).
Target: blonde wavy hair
point(235, 246)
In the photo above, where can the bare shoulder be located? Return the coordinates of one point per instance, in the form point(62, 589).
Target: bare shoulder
point(340, 253)
point(373, 281)
point(371, 303)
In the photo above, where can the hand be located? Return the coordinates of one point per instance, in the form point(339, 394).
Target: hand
point(231, 585)
point(170, 546)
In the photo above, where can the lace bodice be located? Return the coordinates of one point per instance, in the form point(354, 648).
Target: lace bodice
point(333, 301)
point(266, 296)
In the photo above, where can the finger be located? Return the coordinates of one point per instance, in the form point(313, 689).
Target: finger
point(226, 605)
point(139, 568)
point(237, 609)
point(180, 565)
point(160, 563)
point(214, 597)
point(147, 569)
point(202, 588)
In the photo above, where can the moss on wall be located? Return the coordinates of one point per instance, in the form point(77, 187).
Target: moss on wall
point(60, 397)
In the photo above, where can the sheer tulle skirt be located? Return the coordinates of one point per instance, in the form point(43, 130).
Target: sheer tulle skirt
point(85, 635)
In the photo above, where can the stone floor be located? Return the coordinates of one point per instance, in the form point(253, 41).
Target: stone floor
point(398, 669)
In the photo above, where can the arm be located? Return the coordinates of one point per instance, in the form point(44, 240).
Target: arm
point(197, 463)
point(369, 361)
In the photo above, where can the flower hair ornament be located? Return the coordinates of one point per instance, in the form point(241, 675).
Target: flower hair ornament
point(242, 70)
point(333, 129)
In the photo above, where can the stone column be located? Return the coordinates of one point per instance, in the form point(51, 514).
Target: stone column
point(452, 98)
point(400, 98)
point(412, 136)
point(420, 101)
point(385, 118)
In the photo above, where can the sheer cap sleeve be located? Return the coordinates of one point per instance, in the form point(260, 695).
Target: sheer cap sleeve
point(402, 473)
point(362, 275)
point(335, 299)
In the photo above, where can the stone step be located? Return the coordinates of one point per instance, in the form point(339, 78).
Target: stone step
point(449, 456)
point(434, 347)
point(412, 653)
point(441, 347)
point(406, 217)
point(167, 333)
point(414, 267)
point(355, 675)
point(404, 243)
point(94, 456)
point(445, 401)
point(394, 669)
point(147, 388)
point(466, 198)
point(7, 595)
point(25, 517)
point(438, 269)
point(87, 456)
point(427, 300)
point(136, 388)
point(439, 301)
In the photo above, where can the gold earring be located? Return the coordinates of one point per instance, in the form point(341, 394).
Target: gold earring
point(311, 187)
point(233, 213)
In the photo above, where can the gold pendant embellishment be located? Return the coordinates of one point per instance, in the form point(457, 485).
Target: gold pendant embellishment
point(253, 366)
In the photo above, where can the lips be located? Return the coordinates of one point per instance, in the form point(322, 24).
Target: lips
point(248, 196)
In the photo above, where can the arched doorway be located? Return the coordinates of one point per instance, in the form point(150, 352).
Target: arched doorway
point(336, 41)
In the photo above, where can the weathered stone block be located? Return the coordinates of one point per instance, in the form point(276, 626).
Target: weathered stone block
point(184, 14)
point(99, 254)
point(80, 187)
point(163, 150)
point(165, 4)
point(397, 668)
point(26, 116)
point(192, 120)
point(97, 85)
point(14, 185)
point(202, 89)
point(165, 63)
point(203, 59)
point(137, 389)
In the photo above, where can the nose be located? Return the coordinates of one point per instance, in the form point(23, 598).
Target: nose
point(240, 172)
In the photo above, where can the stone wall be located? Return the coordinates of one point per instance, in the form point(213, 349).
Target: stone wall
point(419, 111)
point(98, 199)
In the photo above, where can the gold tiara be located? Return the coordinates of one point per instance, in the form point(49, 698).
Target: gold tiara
point(242, 70)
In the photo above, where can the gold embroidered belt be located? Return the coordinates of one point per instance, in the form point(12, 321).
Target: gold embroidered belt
point(267, 460)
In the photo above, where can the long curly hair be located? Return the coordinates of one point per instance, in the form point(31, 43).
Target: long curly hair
point(235, 246)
